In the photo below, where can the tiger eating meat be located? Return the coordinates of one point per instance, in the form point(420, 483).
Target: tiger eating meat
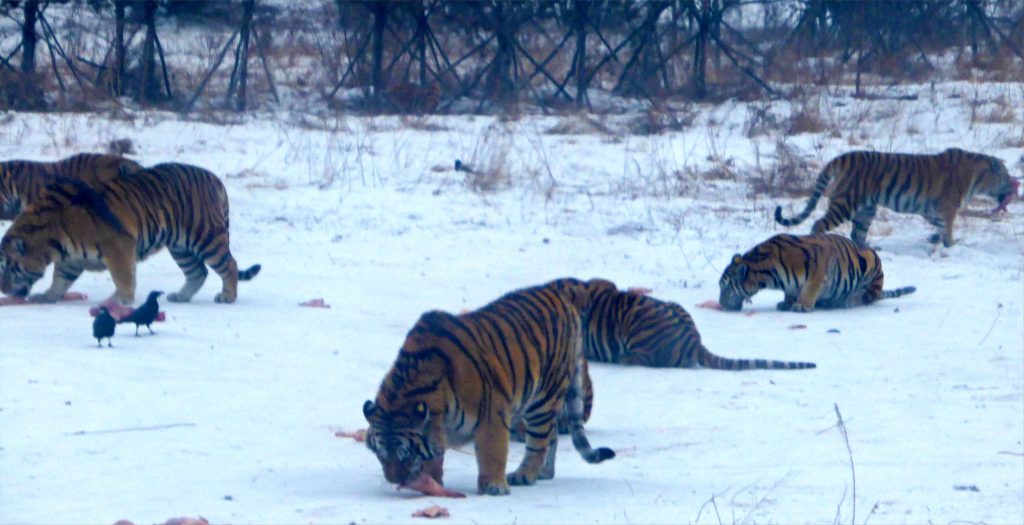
point(814, 271)
point(467, 377)
point(122, 221)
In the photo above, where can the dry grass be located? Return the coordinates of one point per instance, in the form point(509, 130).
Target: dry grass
point(579, 124)
point(807, 118)
point(792, 175)
point(655, 121)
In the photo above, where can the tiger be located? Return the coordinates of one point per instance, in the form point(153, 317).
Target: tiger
point(633, 328)
point(23, 181)
point(119, 222)
point(933, 186)
point(466, 377)
point(814, 271)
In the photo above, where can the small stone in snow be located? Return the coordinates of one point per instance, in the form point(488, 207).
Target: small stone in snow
point(833, 330)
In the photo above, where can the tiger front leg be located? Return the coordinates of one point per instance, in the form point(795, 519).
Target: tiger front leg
point(786, 304)
point(491, 442)
point(120, 260)
point(809, 292)
point(64, 275)
point(944, 224)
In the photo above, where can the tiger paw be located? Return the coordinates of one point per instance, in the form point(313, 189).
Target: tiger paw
point(224, 298)
point(783, 306)
point(43, 298)
point(176, 297)
point(797, 307)
point(518, 478)
point(490, 488)
point(934, 238)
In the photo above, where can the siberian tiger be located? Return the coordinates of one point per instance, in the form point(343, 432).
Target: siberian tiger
point(23, 181)
point(466, 378)
point(119, 222)
point(824, 271)
point(631, 328)
point(933, 186)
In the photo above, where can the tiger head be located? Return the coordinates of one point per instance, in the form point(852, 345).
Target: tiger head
point(23, 260)
point(400, 439)
point(580, 293)
point(736, 285)
point(995, 181)
point(991, 178)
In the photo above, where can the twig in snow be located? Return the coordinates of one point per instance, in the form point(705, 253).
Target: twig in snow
point(713, 505)
point(873, 509)
point(999, 310)
point(853, 472)
point(839, 507)
point(765, 497)
point(128, 429)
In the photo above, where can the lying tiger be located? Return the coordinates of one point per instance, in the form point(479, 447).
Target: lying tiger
point(22, 181)
point(814, 271)
point(632, 328)
point(933, 186)
point(467, 377)
point(122, 221)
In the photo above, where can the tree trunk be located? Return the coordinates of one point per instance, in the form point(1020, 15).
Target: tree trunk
point(29, 38)
point(580, 59)
point(148, 88)
point(248, 6)
point(117, 79)
point(380, 21)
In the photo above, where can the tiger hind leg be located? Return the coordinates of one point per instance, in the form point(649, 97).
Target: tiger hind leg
point(195, 275)
point(861, 223)
point(548, 470)
point(540, 432)
point(218, 257)
point(838, 213)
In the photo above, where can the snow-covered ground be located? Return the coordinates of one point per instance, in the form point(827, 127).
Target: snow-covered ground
point(230, 411)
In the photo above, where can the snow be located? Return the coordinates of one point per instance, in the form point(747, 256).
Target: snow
point(229, 412)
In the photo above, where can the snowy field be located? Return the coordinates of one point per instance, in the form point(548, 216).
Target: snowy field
point(230, 412)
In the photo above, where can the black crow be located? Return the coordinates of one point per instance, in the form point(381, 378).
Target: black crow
point(145, 314)
point(103, 326)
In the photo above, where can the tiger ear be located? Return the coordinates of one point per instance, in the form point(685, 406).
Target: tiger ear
point(574, 292)
point(368, 409)
point(736, 259)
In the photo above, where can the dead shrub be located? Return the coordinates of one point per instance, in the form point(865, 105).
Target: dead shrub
point(760, 120)
point(791, 175)
point(806, 118)
point(655, 121)
point(578, 124)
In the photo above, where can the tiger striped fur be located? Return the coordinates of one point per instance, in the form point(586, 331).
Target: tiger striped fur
point(933, 186)
point(631, 328)
point(22, 182)
point(121, 221)
point(814, 271)
point(466, 378)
